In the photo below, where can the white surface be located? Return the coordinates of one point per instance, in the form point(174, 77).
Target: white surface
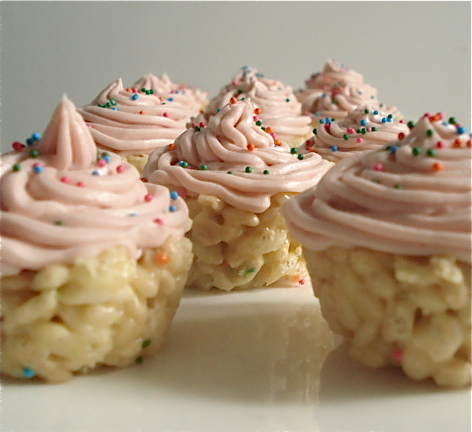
point(240, 362)
point(417, 54)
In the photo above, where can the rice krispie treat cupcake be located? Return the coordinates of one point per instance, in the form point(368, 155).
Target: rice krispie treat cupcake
point(234, 175)
point(387, 239)
point(133, 121)
point(93, 261)
point(336, 91)
point(365, 128)
point(281, 110)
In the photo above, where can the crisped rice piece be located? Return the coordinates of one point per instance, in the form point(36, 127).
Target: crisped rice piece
point(236, 249)
point(106, 310)
point(413, 312)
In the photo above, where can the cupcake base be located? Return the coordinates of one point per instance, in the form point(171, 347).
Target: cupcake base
point(413, 312)
point(235, 249)
point(106, 310)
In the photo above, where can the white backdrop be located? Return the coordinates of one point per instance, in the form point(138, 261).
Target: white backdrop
point(417, 54)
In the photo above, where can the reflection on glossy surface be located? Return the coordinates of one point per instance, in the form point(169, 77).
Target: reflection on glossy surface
point(242, 361)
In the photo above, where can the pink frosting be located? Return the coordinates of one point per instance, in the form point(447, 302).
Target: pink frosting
point(364, 128)
point(338, 90)
point(215, 159)
point(412, 197)
point(280, 108)
point(138, 119)
point(61, 199)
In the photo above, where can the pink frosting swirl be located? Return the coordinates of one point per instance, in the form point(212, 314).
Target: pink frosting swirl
point(336, 91)
point(137, 120)
point(61, 199)
point(364, 128)
point(235, 159)
point(280, 108)
point(412, 197)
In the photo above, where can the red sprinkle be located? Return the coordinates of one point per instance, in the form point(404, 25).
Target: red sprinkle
point(120, 169)
point(440, 144)
point(101, 162)
point(148, 197)
point(165, 115)
point(144, 179)
point(159, 221)
point(65, 180)
point(378, 167)
point(80, 184)
point(401, 135)
point(397, 355)
point(17, 146)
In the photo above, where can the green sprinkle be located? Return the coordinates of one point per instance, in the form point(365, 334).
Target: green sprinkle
point(452, 120)
point(374, 129)
point(416, 151)
point(363, 131)
point(314, 131)
point(266, 172)
point(240, 91)
point(259, 123)
point(411, 124)
point(398, 186)
point(139, 360)
point(366, 111)
point(184, 164)
point(346, 136)
point(301, 157)
point(245, 272)
point(16, 167)
point(376, 181)
point(34, 153)
point(431, 152)
point(429, 132)
point(59, 223)
point(294, 150)
point(229, 172)
point(197, 128)
point(146, 343)
point(203, 167)
point(248, 169)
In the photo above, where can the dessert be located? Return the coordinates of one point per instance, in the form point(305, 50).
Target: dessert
point(93, 261)
point(336, 91)
point(365, 128)
point(281, 110)
point(387, 239)
point(234, 174)
point(133, 121)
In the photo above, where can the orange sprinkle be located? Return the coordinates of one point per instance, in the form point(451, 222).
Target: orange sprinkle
point(161, 258)
point(468, 143)
point(277, 142)
point(129, 90)
point(251, 147)
point(257, 111)
point(233, 100)
point(268, 129)
point(172, 146)
point(142, 112)
point(457, 143)
point(437, 166)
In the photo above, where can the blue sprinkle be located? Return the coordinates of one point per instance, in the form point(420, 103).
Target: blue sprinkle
point(393, 149)
point(134, 97)
point(114, 109)
point(172, 208)
point(321, 121)
point(372, 97)
point(174, 195)
point(317, 114)
point(95, 173)
point(334, 148)
point(106, 158)
point(36, 136)
point(38, 169)
point(132, 214)
point(30, 141)
point(461, 130)
point(363, 122)
point(376, 112)
point(384, 120)
point(170, 99)
point(445, 123)
point(324, 95)
point(328, 121)
point(28, 373)
point(359, 92)
point(218, 110)
point(389, 119)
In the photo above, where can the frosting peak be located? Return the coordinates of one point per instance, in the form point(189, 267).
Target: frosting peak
point(235, 158)
point(66, 140)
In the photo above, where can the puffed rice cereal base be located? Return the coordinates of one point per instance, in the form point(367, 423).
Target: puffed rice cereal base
point(106, 310)
point(414, 312)
point(236, 249)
